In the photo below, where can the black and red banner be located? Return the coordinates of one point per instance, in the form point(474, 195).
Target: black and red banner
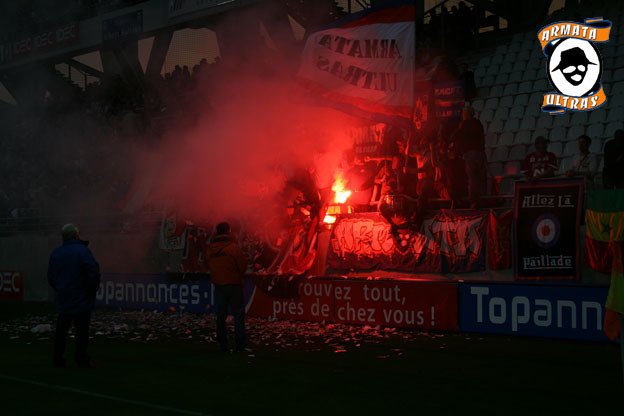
point(499, 239)
point(447, 242)
point(547, 219)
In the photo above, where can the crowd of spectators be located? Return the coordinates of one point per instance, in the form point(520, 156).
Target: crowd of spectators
point(456, 27)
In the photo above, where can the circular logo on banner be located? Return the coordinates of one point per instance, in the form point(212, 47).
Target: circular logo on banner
point(574, 67)
point(546, 230)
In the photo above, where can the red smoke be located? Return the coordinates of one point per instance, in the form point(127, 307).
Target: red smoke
point(234, 163)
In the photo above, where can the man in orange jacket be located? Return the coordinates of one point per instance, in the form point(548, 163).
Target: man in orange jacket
point(227, 265)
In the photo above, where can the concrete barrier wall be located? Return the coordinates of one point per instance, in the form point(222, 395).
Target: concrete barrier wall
point(116, 253)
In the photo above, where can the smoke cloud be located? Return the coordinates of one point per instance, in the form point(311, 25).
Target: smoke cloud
point(258, 131)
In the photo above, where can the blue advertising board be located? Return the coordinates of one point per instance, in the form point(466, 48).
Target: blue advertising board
point(155, 292)
point(572, 312)
point(190, 292)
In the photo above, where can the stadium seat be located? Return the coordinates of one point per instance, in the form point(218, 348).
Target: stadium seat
point(558, 134)
point(618, 75)
point(537, 64)
point(534, 110)
point(536, 53)
point(541, 85)
point(610, 129)
point(477, 105)
point(529, 44)
point(527, 123)
point(512, 125)
point(523, 137)
point(484, 62)
point(556, 148)
point(561, 120)
point(529, 75)
point(539, 132)
point(570, 149)
point(492, 70)
point(506, 101)
point(497, 60)
point(479, 72)
point(491, 103)
point(615, 113)
point(506, 139)
point(595, 131)
point(607, 51)
point(501, 78)
point(501, 113)
point(485, 125)
point(488, 80)
point(578, 117)
point(506, 67)
point(496, 126)
point(618, 89)
point(544, 121)
point(517, 152)
point(607, 75)
point(518, 37)
point(537, 97)
point(488, 153)
point(524, 55)
point(491, 139)
point(521, 99)
point(500, 154)
point(525, 87)
point(598, 116)
point(501, 50)
point(496, 91)
point(515, 76)
point(596, 145)
point(487, 115)
point(509, 58)
point(510, 89)
point(517, 111)
point(575, 132)
point(514, 47)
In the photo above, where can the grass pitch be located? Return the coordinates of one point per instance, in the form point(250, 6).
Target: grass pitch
point(168, 364)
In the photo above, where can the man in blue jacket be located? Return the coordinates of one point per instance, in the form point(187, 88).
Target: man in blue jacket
point(74, 275)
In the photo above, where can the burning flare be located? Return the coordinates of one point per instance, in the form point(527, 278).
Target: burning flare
point(329, 219)
point(341, 194)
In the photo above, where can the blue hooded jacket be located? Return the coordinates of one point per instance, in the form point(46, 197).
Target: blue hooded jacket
point(74, 275)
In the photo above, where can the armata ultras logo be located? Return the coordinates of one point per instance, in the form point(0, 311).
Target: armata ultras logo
point(574, 64)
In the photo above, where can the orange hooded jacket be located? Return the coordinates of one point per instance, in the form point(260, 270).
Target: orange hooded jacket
point(226, 261)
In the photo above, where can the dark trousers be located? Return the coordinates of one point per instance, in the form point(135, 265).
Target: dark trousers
point(230, 296)
point(81, 321)
point(476, 173)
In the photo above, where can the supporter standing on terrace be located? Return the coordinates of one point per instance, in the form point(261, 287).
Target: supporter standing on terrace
point(469, 142)
point(585, 163)
point(227, 265)
point(541, 163)
point(74, 275)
